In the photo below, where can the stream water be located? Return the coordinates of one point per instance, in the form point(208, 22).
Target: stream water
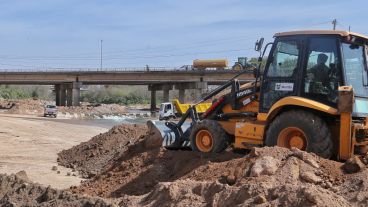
point(132, 117)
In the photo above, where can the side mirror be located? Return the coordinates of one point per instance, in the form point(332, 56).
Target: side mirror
point(259, 44)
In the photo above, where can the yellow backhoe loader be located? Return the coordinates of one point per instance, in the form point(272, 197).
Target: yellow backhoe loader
point(312, 95)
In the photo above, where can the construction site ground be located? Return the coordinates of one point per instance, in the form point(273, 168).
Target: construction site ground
point(31, 143)
point(125, 166)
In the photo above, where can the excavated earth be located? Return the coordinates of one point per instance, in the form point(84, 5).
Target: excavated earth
point(98, 154)
point(134, 170)
point(36, 107)
point(24, 106)
point(17, 190)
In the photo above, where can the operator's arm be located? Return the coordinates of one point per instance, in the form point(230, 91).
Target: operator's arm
point(311, 73)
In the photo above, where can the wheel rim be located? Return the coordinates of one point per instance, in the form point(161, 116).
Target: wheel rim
point(204, 141)
point(292, 137)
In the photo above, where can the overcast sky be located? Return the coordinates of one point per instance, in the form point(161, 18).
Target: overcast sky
point(68, 33)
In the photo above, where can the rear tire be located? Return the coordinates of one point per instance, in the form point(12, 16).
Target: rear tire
point(303, 130)
point(208, 136)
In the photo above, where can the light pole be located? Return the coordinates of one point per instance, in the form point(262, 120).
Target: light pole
point(334, 22)
point(101, 56)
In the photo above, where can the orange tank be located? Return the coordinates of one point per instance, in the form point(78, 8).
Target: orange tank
point(216, 63)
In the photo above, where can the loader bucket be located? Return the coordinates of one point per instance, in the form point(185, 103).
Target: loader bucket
point(159, 132)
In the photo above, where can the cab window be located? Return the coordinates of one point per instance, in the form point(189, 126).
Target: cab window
point(322, 75)
point(281, 72)
point(168, 107)
point(284, 59)
point(355, 68)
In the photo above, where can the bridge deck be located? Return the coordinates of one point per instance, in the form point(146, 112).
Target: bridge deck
point(118, 76)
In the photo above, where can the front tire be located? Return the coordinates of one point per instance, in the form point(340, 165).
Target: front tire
point(303, 130)
point(208, 136)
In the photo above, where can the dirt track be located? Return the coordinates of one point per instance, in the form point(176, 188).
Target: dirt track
point(31, 143)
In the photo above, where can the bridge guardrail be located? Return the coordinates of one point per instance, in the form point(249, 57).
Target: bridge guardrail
point(133, 69)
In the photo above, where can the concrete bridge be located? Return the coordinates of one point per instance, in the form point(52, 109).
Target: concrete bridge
point(68, 82)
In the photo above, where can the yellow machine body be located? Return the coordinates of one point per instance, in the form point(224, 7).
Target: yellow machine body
point(333, 117)
point(250, 132)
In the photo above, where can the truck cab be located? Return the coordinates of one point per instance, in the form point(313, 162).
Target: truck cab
point(167, 111)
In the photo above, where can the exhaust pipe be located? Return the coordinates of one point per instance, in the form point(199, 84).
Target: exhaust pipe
point(160, 133)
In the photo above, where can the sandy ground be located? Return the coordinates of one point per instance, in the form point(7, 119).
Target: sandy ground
point(31, 143)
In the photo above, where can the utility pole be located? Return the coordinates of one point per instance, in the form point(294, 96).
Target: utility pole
point(101, 56)
point(334, 22)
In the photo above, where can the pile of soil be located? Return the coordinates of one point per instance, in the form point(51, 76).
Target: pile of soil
point(25, 106)
point(137, 172)
point(16, 190)
point(94, 156)
point(144, 175)
point(36, 107)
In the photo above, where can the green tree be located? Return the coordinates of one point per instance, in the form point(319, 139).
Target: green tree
point(34, 94)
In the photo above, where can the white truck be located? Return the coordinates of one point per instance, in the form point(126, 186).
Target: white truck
point(176, 109)
point(167, 111)
point(50, 110)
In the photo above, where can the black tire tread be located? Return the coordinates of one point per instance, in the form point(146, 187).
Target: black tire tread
point(219, 135)
point(319, 138)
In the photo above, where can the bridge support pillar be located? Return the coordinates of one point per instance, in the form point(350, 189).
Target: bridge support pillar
point(57, 95)
point(76, 93)
point(159, 87)
point(166, 97)
point(182, 95)
point(198, 86)
point(153, 100)
point(69, 96)
point(62, 95)
point(198, 93)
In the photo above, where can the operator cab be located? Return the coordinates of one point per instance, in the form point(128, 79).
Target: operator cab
point(167, 111)
point(313, 64)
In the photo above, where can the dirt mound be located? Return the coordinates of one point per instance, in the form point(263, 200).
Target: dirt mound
point(97, 154)
point(25, 106)
point(137, 172)
point(36, 107)
point(270, 175)
point(16, 190)
point(153, 176)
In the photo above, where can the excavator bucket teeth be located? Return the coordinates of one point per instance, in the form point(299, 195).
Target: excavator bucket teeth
point(158, 130)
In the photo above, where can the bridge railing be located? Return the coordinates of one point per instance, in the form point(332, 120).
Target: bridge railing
point(133, 69)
